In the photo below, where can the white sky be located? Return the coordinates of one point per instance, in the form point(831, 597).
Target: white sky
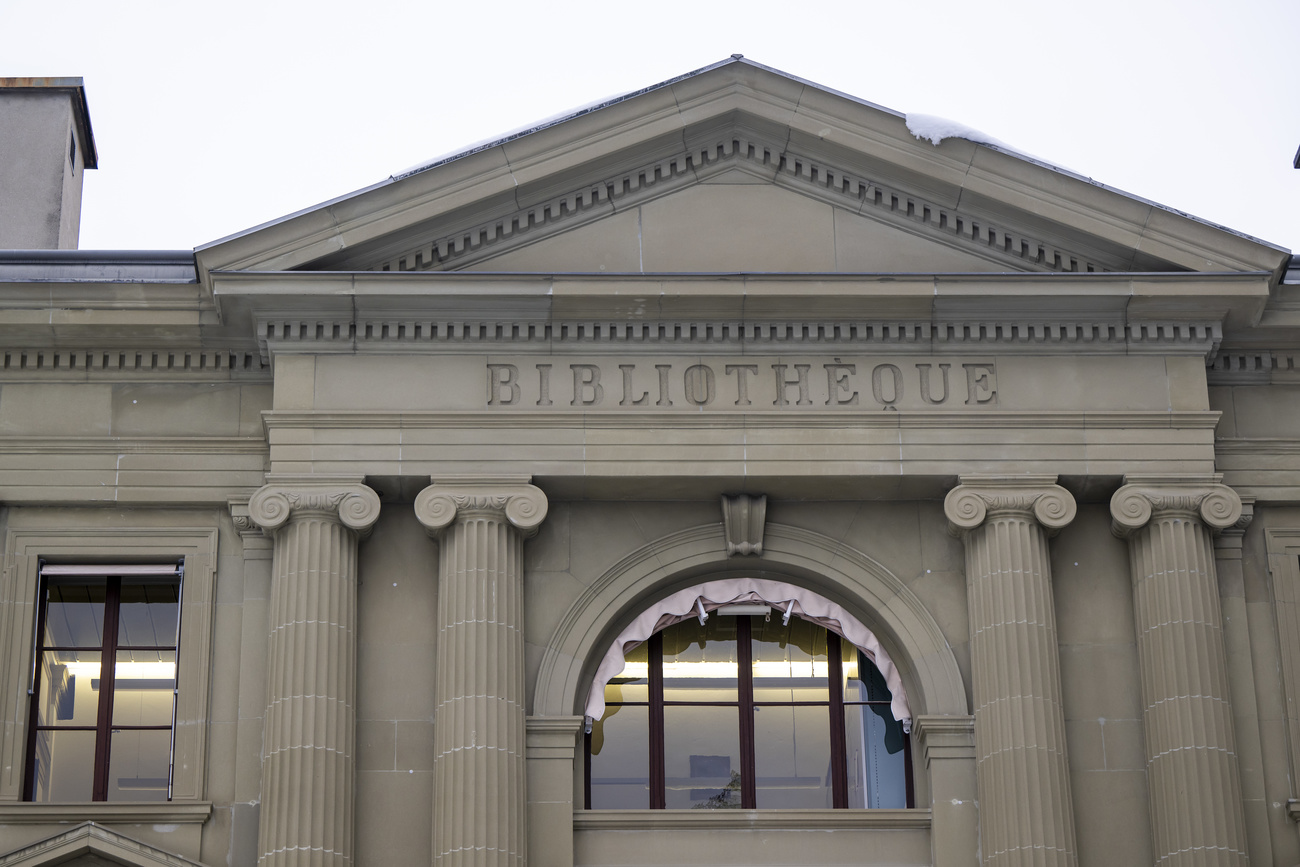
point(214, 117)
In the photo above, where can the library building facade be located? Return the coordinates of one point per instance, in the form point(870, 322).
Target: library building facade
point(718, 475)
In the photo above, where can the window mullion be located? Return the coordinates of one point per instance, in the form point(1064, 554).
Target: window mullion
point(107, 675)
point(34, 694)
point(745, 687)
point(658, 785)
point(839, 757)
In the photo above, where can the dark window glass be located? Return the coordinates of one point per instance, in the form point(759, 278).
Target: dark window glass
point(746, 712)
point(104, 732)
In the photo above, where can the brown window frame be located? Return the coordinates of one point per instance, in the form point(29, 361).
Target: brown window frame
point(745, 705)
point(108, 649)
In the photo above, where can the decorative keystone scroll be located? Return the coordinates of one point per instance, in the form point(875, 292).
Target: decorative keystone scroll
point(1196, 497)
point(522, 504)
point(353, 505)
point(1038, 497)
point(743, 517)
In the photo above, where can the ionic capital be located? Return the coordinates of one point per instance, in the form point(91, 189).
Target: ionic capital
point(1034, 498)
point(352, 504)
point(515, 500)
point(1197, 497)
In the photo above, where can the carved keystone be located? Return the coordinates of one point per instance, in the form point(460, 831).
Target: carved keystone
point(1037, 497)
point(744, 517)
point(522, 504)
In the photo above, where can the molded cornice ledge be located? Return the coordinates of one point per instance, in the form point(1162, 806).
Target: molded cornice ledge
point(1036, 498)
point(345, 500)
point(523, 505)
point(1193, 497)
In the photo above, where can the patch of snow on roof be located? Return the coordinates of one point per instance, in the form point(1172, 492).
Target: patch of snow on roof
point(936, 129)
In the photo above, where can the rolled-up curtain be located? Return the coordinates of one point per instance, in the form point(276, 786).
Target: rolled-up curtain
point(712, 595)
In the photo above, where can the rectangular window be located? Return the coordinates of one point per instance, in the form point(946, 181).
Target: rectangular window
point(103, 693)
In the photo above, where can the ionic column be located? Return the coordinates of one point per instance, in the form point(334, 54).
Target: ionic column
point(479, 723)
point(309, 729)
point(1195, 791)
point(1026, 814)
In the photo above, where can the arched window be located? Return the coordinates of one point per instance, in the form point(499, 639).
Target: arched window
point(746, 709)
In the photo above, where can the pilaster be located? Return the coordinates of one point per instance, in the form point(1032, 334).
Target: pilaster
point(309, 729)
point(947, 745)
point(1192, 767)
point(552, 743)
point(479, 808)
point(1026, 814)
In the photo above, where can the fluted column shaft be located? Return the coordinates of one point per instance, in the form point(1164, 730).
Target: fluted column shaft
point(309, 728)
point(1197, 816)
point(479, 810)
point(1026, 812)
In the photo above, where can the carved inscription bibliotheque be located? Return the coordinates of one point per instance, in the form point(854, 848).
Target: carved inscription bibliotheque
point(745, 383)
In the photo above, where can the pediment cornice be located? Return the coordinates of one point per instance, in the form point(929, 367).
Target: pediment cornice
point(1008, 209)
point(452, 245)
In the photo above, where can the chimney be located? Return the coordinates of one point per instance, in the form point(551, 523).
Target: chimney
point(45, 146)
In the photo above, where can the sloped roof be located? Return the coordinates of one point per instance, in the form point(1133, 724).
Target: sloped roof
point(554, 175)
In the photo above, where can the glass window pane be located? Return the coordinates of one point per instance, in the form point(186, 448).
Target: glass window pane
point(790, 662)
point(620, 759)
point(862, 680)
point(142, 687)
point(792, 757)
point(702, 757)
point(69, 688)
point(147, 614)
point(74, 614)
point(64, 766)
point(138, 763)
point(700, 662)
point(877, 767)
point(632, 683)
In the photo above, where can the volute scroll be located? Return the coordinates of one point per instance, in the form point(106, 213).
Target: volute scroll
point(1140, 499)
point(1038, 498)
point(353, 505)
point(523, 505)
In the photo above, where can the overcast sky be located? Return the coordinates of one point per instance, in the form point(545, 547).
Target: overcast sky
point(213, 117)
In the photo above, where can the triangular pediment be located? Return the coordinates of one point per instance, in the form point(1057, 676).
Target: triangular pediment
point(728, 227)
point(92, 845)
point(737, 168)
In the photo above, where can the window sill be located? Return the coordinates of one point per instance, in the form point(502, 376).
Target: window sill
point(767, 820)
point(109, 813)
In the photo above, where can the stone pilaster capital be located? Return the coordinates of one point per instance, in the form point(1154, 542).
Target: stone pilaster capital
point(349, 502)
point(945, 737)
point(1197, 497)
point(1034, 498)
point(521, 504)
point(244, 523)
